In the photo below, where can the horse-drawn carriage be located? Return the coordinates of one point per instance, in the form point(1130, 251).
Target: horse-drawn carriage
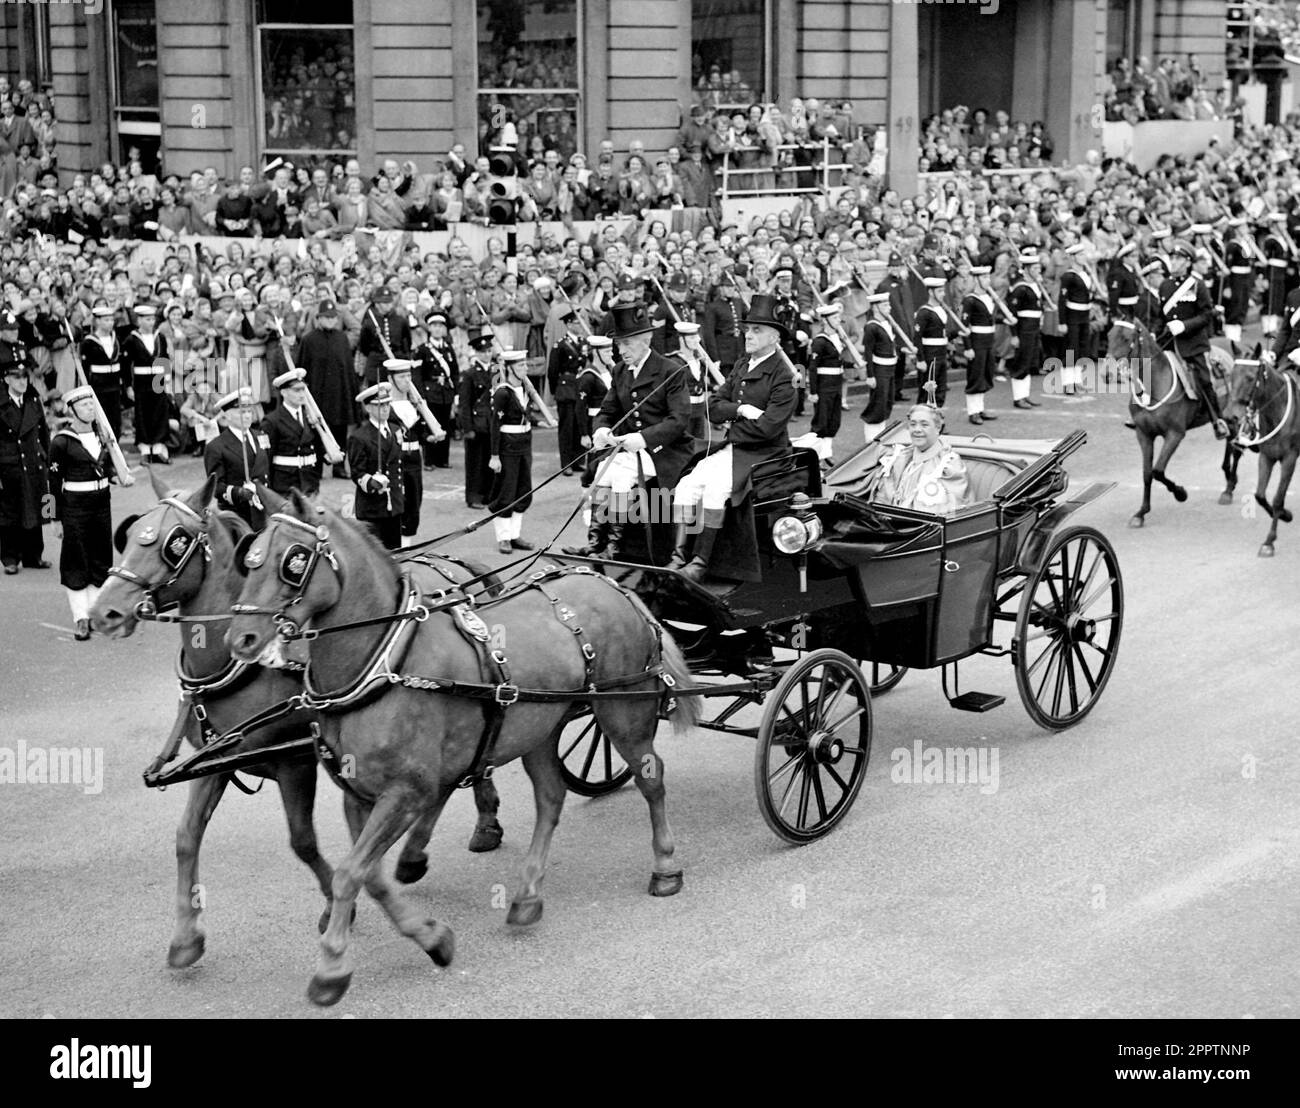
point(839, 595)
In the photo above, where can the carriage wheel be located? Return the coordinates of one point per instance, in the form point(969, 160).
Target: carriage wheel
point(589, 763)
point(1068, 628)
point(813, 745)
point(884, 676)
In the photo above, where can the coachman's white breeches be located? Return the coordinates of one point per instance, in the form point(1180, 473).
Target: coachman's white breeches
point(708, 484)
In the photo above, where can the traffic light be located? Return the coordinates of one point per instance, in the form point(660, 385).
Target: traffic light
point(503, 187)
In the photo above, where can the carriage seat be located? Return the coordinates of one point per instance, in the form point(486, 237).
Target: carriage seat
point(986, 475)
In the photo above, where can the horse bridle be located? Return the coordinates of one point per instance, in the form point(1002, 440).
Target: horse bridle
point(177, 551)
point(297, 566)
point(1252, 408)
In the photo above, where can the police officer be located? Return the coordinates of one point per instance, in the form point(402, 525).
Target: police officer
point(512, 454)
point(438, 379)
point(881, 352)
point(474, 412)
point(105, 366)
point(293, 443)
point(1026, 299)
point(375, 462)
point(979, 317)
point(1189, 313)
point(24, 455)
point(562, 369)
point(238, 459)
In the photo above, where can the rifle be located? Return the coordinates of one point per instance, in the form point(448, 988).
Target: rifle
point(577, 312)
point(528, 385)
point(115, 454)
point(333, 454)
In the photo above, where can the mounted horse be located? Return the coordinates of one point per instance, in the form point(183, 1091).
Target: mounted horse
point(1160, 407)
point(423, 699)
point(1266, 402)
point(174, 556)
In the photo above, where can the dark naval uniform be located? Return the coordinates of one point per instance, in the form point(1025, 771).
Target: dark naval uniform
point(933, 329)
point(722, 330)
point(1241, 277)
point(826, 361)
point(24, 454)
point(475, 417)
point(79, 483)
point(223, 458)
point(377, 451)
point(376, 330)
point(437, 376)
point(666, 339)
point(882, 364)
point(562, 369)
point(1277, 255)
point(593, 384)
point(1026, 305)
point(109, 374)
point(977, 307)
point(295, 448)
point(1122, 289)
point(411, 431)
point(148, 374)
point(1075, 304)
point(512, 443)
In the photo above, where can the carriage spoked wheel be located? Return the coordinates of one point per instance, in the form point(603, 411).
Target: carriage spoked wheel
point(1068, 628)
point(589, 763)
point(813, 745)
point(884, 676)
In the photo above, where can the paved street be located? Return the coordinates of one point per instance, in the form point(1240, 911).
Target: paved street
point(1142, 864)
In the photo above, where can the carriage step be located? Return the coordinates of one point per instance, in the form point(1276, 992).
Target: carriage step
point(977, 702)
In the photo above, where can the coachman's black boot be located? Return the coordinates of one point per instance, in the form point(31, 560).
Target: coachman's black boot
point(698, 566)
point(681, 546)
point(597, 541)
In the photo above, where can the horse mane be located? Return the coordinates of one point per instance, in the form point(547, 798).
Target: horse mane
point(363, 534)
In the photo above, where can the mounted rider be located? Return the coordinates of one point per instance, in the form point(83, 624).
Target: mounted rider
point(1189, 312)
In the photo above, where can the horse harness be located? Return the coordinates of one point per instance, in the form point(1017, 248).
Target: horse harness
point(177, 550)
point(498, 692)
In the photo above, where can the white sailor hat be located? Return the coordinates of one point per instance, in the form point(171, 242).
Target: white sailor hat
point(934, 282)
point(687, 328)
point(398, 365)
point(980, 270)
point(599, 342)
point(289, 378)
point(1127, 249)
point(81, 392)
point(878, 298)
point(828, 310)
point(1237, 221)
point(145, 310)
point(1276, 217)
point(542, 282)
point(234, 399)
point(1162, 232)
point(1157, 264)
point(1076, 248)
point(102, 311)
point(1200, 229)
point(1031, 256)
point(513, 355)
point(381, 393)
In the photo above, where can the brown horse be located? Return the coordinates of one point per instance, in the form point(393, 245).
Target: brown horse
point(191, 563)
point(416, 700)
point(1160, 408)
point(1266, 402)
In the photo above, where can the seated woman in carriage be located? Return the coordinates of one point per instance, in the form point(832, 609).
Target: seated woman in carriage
point(756, 402)
point(925, 474)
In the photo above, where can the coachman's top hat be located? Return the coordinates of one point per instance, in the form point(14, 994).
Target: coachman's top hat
point(631, 319)
point(767, 310)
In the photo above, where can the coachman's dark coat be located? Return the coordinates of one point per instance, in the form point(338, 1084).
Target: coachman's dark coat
point(663, 418)
point(768, 385)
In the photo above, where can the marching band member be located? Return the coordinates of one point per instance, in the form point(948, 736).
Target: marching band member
point(294, 444)
point(882, 358)
point(826, 361)
point(933, 329)
point(1189, 312)
point(1025, 299)
point(978, 312)
point(512, 454)
point(412, 432)
point(105, 366)
point(80, 474)
point(1241, 278)
point(142, 351)
point(238, 458)
point(562, 369)
point(375, 462)
point(474, 412)
point(24, 453)
point(925, 474)
point(758, 402)
point(645, 417)
point(1075, 305)
point(439, 382)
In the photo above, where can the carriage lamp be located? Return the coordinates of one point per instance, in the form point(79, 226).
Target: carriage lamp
point(795, 533)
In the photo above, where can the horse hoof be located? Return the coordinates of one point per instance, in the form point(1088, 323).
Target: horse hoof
point(525, 913)
point(666, 884)
point(1284, 515)
point(1266, 551)
point(444, 945)
point(324, 920)
point(485, 839)
point(324, 991)
point(181, 955)
point(1226, 498)
point(408, 872)
point(1137, 521)
point(1180, 493)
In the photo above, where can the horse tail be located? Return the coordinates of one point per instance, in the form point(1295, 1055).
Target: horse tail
point(685, 711)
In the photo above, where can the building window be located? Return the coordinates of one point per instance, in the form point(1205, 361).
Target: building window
point(528, 74)
point(1122, 18)
point(135, 80)
point(730, 51)
point(307, 79)
point(41, 45)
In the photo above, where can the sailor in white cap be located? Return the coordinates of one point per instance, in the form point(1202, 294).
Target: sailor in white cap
point(1078, 287)
point(237, 458)
point(1278, 257)
point(293, 442)
point(145, 351)
point(1026, 299)
point(512, 454)
point(411, 432)
point(827, 359)
point(978, 312)
point(1241, 277)
point(688, 348)
point(106, 368)
point(562, 368)
point(881, 351)
point(933, 327)
point(375, 462)
point(593, 383)
point(80, 473)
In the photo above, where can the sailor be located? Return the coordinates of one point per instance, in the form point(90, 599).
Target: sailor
point(375, 463)
point(827, 358)
point(593, 384)
point(145, 356)
point(1277, 258)
point(385, 334)
point(1075, 304)
point(80, 474)
point(979, 316)
point(512, 454)
point(1026, 300)
point(881, 351)
point(412, 432)
point(562, 368)
point(238, 459)
point(689, 351)
point(474, 413)
point(1123, 284)
point(294, 443)
point(106, 368)
point(1241, 278)
point(934, 327)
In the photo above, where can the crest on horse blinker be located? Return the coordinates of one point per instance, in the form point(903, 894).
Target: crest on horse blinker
point(295, 564)
point(175, 547)
point(470, 623)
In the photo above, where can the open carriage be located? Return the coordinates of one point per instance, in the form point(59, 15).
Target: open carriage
point(820, 598)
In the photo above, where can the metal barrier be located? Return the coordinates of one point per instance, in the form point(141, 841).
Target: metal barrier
point(824, 170)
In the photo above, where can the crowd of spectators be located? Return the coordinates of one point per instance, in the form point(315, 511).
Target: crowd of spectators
point(964, 140)
point(311, 98)
point(1173, 89)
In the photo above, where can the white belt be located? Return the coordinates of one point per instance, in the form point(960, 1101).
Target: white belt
point(1125, 324)
point(412, 447)
point(934, 342)
point(293, 460)
point(1128, 300)
point(104, 369)
point(1031, 313)
point(1076, 307)
point(697, 399)
point(981, 329)
point(1277, 261)
point(515, 428)
point(146, 371)
point(880, 359)
point(1240, 269)
point(592, 413)
point(85, 486)
point(822, 371)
